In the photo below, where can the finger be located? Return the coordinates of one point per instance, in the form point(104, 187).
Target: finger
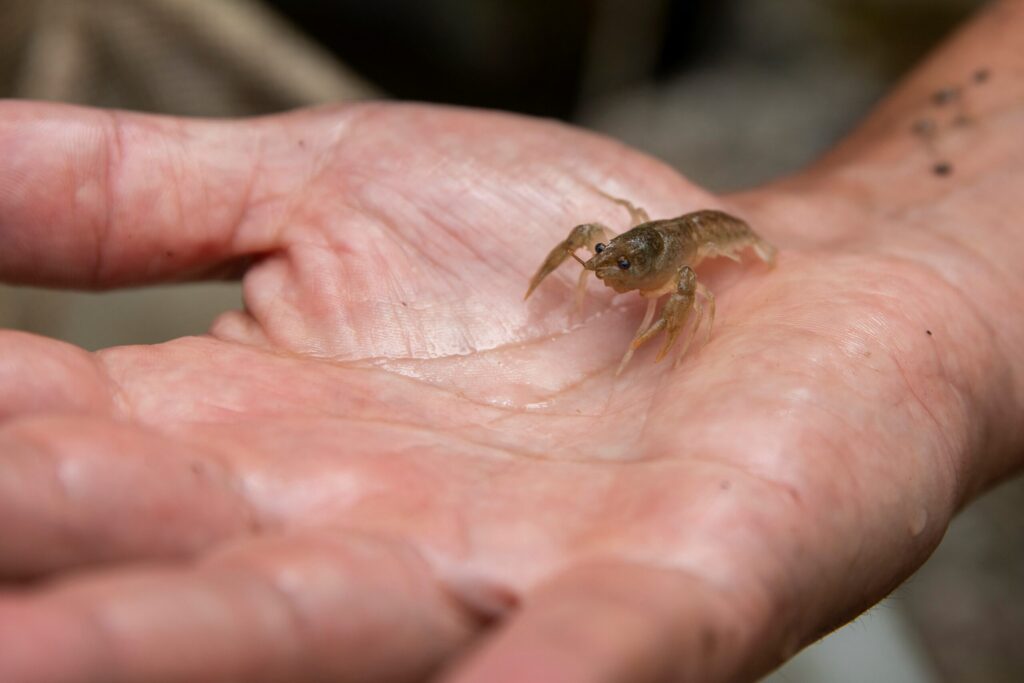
point(313, 609)
point(76, 491)
point(92, 198)
point(618, 622)
point(43, 375)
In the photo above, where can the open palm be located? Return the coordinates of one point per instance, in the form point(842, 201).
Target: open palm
point(388, 450)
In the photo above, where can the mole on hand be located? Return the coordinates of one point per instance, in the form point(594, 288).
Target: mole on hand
point(929, 131)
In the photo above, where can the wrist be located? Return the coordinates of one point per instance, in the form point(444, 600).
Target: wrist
point(931, 182)
point(956, 320)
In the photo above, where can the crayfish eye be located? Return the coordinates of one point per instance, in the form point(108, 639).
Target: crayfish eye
point(624, 263)
point(598, 248)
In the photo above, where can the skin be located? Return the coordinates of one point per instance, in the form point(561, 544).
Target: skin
point(389, 466)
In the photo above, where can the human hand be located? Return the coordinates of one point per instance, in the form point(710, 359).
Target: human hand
point(389, 452)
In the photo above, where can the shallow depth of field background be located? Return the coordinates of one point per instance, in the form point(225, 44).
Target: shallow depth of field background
point(730, 92)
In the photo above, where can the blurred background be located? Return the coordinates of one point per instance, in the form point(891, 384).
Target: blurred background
point(730, 92)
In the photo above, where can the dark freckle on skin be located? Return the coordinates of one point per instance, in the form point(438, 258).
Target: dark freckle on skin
point(981, 75)
point(943, 168)
point(944, 96)
point(725, 485)
point(302, 144)
point(923, 127)
point(403, 303)
point(928, 332)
